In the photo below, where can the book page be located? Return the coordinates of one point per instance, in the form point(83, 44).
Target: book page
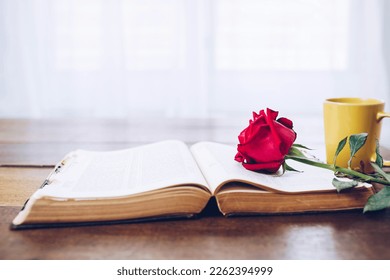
point(124, 172)
point(218, 166)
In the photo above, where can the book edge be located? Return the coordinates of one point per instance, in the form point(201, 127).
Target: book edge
point(98, 223)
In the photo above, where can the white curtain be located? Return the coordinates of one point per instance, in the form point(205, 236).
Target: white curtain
point(187, 58)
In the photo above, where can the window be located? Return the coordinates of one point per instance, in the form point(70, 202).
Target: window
point(178, 58)
point(281, 35)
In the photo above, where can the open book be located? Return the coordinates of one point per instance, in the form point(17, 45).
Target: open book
point(169, 179)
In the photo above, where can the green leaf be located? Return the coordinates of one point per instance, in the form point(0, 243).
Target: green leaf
point(283, 168)
point(340, 147)
point(343, 185)
point(385, 175)
point(301, 146)
point(379, 158)
point(356, 141)
point(378, 201)
point(289, 168)
point(294, 151)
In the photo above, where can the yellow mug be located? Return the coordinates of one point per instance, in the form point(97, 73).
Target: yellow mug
point(346, 116)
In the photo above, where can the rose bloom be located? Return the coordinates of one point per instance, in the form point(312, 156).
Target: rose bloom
point(265, 142)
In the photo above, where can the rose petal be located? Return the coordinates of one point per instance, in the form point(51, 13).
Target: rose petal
point(273, 114)
point(262, 113)
point(268, 167)
point(287, 137)
point(241, 137)
point(261, 147)
point(239, 157)
point(286, 122)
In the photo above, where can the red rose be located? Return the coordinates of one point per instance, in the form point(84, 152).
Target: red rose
point(265, 142)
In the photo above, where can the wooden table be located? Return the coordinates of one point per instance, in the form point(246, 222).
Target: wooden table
point(28, 149)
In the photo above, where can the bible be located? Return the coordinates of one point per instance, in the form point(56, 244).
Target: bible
point(169, 179)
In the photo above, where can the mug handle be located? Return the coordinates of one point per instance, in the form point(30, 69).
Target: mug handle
point(379, 117)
